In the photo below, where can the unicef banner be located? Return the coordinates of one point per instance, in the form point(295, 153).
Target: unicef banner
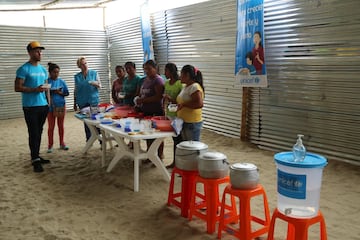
point(146, 33)
point(250, 68)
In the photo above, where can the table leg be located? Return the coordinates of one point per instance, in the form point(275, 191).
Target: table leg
point(103, 147)
point(137, 151)
point(154, 158)
point(138, 156)
point(121, 151)
point(94, 136)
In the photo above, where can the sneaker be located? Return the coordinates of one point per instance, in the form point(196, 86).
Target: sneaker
point(44, 161)
point(64, 147)
point(37, 165)
point(49, 150)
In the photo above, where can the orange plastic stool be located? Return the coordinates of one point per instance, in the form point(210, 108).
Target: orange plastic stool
point(244, 217)
point(182, 199)
point(297, 227)
point(209, 205)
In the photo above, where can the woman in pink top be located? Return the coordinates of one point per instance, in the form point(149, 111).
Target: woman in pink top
point(117, 85)
point(258, 53)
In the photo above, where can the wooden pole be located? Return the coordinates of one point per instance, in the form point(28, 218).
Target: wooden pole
point(244, 109)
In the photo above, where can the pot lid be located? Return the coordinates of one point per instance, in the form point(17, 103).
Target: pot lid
point(192, 145)
point(213, 156)
point(243, 166)
point(311, 160)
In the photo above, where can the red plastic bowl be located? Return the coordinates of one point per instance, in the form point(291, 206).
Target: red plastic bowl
point(162, 123)
point(123, 111)
point(105, 105)
point(135, 114)
point(125, 107)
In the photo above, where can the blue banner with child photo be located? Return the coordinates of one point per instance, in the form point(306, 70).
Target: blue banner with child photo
point(250, 67)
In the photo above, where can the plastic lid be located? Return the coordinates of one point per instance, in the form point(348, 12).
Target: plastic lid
point(243, 166)
point(192, 145)
point(213, 156)
point(311, 160)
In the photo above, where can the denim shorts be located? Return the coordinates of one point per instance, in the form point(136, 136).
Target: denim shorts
point(191, 131)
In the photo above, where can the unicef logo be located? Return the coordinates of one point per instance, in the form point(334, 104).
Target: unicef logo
point(254, 80)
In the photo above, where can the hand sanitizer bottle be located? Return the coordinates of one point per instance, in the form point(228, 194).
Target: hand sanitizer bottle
point(299, 150)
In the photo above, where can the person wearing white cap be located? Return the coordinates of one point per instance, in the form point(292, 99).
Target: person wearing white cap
point(31, 81)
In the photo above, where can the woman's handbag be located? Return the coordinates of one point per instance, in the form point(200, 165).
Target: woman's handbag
point(59, 111)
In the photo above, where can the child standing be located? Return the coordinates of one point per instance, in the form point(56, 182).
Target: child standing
point(58, 92)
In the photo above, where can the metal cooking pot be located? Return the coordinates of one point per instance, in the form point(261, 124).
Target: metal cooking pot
point(213, 165)
point(187, 154)
point(244, 175)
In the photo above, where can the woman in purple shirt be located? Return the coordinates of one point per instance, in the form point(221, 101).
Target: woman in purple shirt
point(150, 99)
point(151, 91)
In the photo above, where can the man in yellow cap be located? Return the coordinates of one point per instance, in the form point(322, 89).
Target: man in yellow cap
point(31, 81)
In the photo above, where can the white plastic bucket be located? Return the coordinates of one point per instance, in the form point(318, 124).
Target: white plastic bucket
point(299, 184)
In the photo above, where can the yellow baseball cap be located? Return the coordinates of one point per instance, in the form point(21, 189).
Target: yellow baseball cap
point(33, 45)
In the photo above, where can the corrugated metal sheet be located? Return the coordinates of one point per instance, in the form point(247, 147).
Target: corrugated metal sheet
point(125, 44)
point(63, 46)
point(203, 35)
point(313, 59)
point(160, 39)
point(312, 56)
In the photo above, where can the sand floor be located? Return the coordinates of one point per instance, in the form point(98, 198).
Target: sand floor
point(76, 199)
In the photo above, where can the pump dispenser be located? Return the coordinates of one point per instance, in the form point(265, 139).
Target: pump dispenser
point(299, 150)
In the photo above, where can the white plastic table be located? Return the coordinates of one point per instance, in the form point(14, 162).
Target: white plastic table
point(137, 153)
point(93, 126)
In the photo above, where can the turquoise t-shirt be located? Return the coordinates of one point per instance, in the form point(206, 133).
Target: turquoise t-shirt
point(33, 76)
point(173, 91)
point(129, 87)
point(56, 99)
point(86, 94)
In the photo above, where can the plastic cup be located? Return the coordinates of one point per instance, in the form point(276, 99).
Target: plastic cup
point(46, 85)
point(172, 107)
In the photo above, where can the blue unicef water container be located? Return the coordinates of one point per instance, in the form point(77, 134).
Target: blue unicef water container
point(299, 184)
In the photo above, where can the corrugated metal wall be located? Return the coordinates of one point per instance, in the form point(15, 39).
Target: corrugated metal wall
point(63, 46)
point(125, 44)
point(313, 61)
point(204, 35)
point(312, 55)
point(184, 36)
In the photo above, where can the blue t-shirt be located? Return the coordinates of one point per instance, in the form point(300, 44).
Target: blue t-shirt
point(85, 93)
point(56, 99)
point(33, 76)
